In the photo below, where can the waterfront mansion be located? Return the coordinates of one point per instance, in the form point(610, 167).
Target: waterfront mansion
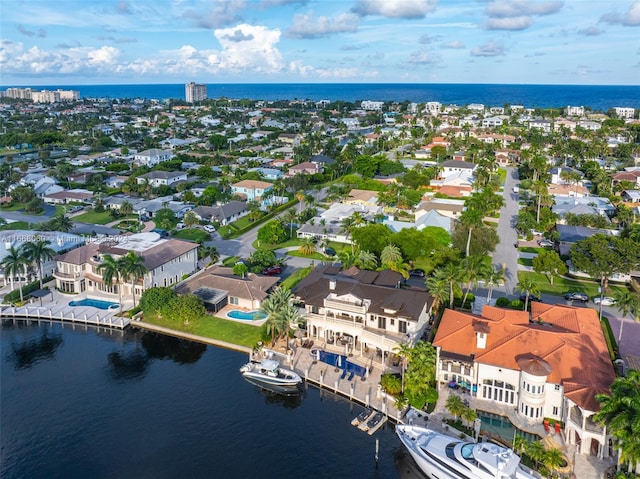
point(168, 261)
point(362, 309)
point(547, 365)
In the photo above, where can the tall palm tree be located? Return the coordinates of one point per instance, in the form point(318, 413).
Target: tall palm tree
point(493, 276)
point(126, 208)
point(474, 269)
point(553, 459)
point(347, 259)
point(132, 268)
point(61, 223)
point(452, 274)
point(347, 226)
point(627, 302)
point(438, 288)
point(14, 264)
point(455, 406)
point(39, 252)
point(290, 217)
point(111, 271)
point(300, 196)
point(390, 254)
point(400, 267)
point(403, 350)
point(620, 412)
point(528, 286)
point(471, 218)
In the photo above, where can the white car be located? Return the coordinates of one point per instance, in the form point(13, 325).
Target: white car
point(209, 228)
point(606, 301)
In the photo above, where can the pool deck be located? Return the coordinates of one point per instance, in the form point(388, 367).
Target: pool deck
point(231, 307)
point(56, 307)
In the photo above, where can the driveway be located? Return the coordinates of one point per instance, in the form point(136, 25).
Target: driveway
point(506, 254)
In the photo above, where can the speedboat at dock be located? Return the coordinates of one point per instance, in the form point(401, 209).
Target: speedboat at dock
point(268, 373)
point(445, 457)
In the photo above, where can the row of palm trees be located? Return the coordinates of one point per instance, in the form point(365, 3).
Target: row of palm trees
point(129, 267)
point(282, 313)
point(19, 261)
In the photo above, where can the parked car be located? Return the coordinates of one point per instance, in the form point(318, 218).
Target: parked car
point(180, 225)
point(545, 243)
point(532, 297)
point(606, 300)
point(418, 273)
point(329, 251)
point(209, 228)
point(575, 296)
point(76, 208)
point(272, 270)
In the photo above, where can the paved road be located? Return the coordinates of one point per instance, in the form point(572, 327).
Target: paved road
point(506, 255)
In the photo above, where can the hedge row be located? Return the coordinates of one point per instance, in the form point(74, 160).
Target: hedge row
point(14, 295)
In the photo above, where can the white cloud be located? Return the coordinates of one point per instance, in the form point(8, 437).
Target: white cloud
point(590, 31)
point(456, 44)
point(394, 8)
point(489, 49)
point(630, 19)
point(517, 8)
point(224, 12)
point(103, 56)
point(258, 53)
point(509, 23)
point(517, 14)
point(423, 57)
point(306, 26)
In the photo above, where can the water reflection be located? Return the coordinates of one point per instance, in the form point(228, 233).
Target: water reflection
point(124, 365)
point(127, 365)
point(30, 352)
point(181, 351)
point(273, 395)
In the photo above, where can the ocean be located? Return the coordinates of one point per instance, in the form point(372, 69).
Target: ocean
point(80, 402)
point(596, 97)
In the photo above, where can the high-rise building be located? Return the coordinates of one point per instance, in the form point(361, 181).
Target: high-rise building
point(195, 92)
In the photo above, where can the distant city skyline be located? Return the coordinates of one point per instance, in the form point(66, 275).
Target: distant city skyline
point(74, 42)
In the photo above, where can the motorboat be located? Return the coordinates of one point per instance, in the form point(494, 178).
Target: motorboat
point(268, 373)
point(444, 457)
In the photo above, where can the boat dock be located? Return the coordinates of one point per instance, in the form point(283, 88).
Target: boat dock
point(65, 313)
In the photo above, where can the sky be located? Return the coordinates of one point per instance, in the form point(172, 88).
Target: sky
point(80, 42)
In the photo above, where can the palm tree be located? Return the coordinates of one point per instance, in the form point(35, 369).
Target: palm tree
point(536, 451)
point(126, 208)
point(471, 218)
point(403, 350)
point(308, 246)
point(348, 225)
point(390, 254)
point(627, 303)
point(468, 415)
point(347, 259)
point(132, 268)
point(300, 196)
point(553, 459)
point(290, 217)
point(190, 219)
point(39, 252)
point(528, 286)
point(366, 260)
point(438, 288)
point(474, 269)
point(494, 276)
point(400, 267)
point(111, 271)
point(61, 223)
point(620, 412)
point(455, 406)
point(452, 274)
point(14, 264)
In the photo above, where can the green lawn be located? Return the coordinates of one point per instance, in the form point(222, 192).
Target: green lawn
point(561, 286)
point(215, 328)
point(18, 225)
point(318, 256)
point(530, 249)
point(230, 261)
point(296, 277)
point(525, 261)
point(503, 175)
point(193, 234)
point(94, 218)
point(271, 247)
point(15, 206)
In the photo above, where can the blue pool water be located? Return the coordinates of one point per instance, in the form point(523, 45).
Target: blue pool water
point(501, 427)
point(95, 303)
point(246, 315)
point(339, 361)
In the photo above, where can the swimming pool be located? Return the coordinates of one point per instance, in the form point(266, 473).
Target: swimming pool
point(94, 303)
point(502, 427)
point(246, 315)
point(340, 361)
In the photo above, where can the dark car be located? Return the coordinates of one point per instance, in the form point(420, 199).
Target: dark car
point(329, 251)
point(532, 297)
point(575, 296)
point(418, 273)
point(272, 270)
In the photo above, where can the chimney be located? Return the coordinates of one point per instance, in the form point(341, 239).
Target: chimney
point(332, 284)
point(481, 340)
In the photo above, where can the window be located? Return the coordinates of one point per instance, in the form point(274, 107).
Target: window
point(555, 410)
point(557, 388)
point(233, 300)
point(402, 326)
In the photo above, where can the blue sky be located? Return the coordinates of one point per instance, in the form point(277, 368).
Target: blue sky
point(74, 42)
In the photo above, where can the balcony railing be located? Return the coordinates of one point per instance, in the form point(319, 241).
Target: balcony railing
point(61, 275)
point(344, 306)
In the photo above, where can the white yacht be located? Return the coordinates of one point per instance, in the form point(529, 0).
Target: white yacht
point(268, 373)
point(444, 457)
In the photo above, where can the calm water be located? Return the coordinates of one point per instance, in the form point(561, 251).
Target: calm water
point(598, 97)
point(88, 404)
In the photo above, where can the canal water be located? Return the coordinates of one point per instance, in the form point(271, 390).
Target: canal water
point(88, 403)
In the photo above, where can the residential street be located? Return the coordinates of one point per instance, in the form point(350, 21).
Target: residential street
point(506, 254)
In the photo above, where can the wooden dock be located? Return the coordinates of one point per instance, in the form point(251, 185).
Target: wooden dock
point(84, 316)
